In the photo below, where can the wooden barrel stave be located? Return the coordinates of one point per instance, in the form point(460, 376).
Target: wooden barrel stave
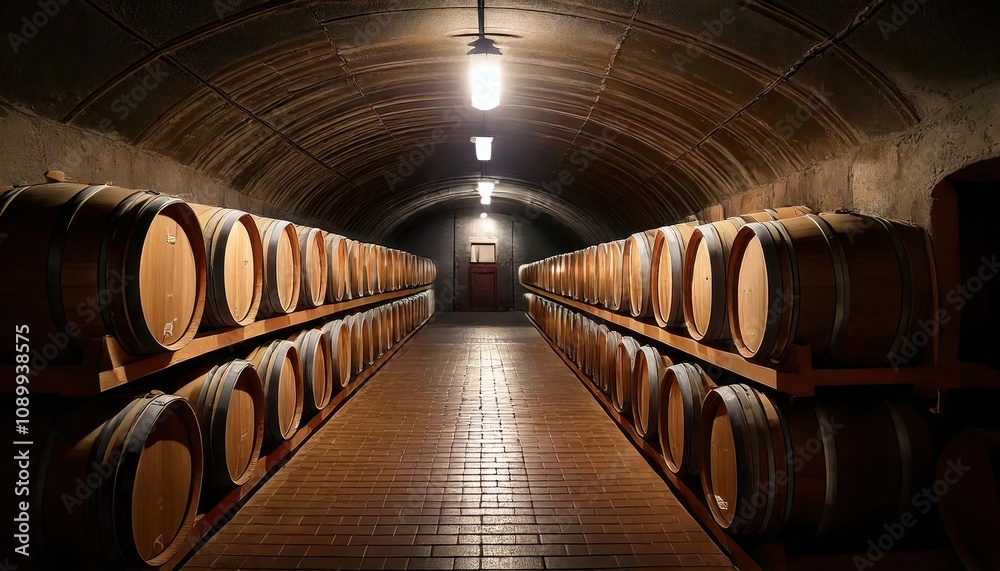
point(234, 263)
point(282, 267)
point(315, 368)
point(277, 364)
point(647, 377)
point(229, 402)
point(338, 332)
point(621, 388)
point(681, 395)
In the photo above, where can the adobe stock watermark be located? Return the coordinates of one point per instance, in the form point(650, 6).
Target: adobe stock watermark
point(711, 29)
point(122, 107)
point(898, 16)
point(797, 459)
point(579, 161)
point(957, 298)
point(804, 113)
point(86, 312)
point(408, 163)
point(33, 24)
point(921, 503)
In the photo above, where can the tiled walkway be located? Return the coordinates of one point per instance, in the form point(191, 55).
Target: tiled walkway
point(475, 447)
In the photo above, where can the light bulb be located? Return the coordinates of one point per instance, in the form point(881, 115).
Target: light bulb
point(484, 74)
point(485, 187)
point(483, 215)
point(484, 147)
point(485, 200)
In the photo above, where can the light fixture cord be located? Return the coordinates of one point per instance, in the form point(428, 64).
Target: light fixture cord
point(482, 18)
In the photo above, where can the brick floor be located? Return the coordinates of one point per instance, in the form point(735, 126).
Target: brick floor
point(473, 448)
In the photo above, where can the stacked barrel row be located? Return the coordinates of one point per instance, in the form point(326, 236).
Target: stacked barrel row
point(856, 288)
point(152, 270)
point(130, 474)
point(765, 465)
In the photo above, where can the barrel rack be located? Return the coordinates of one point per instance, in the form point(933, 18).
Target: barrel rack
point(105, 365)
point(794, 376)
point(749, 555)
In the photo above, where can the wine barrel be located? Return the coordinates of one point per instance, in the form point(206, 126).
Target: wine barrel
point(591, 284)
point(368, 338)
point(609, 361)
point(970, 506)
point(600, 341)
point(315, 368)
point(118, 487)
point(647, 378)
point(229, 403)
point(855, 288)
point(89, 261)
point(312, 253)
point(614, 286)
point(637, 264)
point(277, 364)
point(682, 392)
point(369, 255)
point(769, 467)
point(621, 389)
point(282, 267)
point(706, 263)
point(234, 266)
point(374, 320)
point(388, 326)
point(666, 273)
point(356, 263)
point(338, 333)
point(338, 287)
point(356, 323)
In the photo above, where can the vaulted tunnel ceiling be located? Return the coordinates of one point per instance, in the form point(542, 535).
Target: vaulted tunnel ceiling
point(617, 115)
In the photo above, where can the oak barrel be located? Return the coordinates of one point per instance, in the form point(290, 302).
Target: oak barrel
point(234, 261)
point(637, 260)
point(118, 487)
point(315, 367)
point(609, 361)
point(229, 402)
point(806, 468)
point(614, 285)
point(277, 364)
point(621, 388)
point(682, 392)
point(666, 273)
point(89, 261)
point(338, 286)
point(338, 333)
point(706, 263)
point(647, 378)
point(356, 263)
point(312, 253)
point(858, 289)
point(282, 266)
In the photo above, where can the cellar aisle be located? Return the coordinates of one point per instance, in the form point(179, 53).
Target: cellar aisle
point(474, 447)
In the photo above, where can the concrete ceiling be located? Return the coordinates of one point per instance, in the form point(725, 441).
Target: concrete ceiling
point(617, 114)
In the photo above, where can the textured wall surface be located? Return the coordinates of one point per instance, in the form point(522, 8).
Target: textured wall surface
point(447, 237)
point(32, 145)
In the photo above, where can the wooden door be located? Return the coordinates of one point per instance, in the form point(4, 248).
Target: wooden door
point(482, 287)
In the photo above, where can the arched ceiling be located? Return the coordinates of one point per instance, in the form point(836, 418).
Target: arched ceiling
point(616, 115)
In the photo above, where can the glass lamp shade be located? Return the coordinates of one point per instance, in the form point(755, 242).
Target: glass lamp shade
point(484, 74)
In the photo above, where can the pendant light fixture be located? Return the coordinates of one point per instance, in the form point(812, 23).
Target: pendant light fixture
point(484, 67)
point(484, 147)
